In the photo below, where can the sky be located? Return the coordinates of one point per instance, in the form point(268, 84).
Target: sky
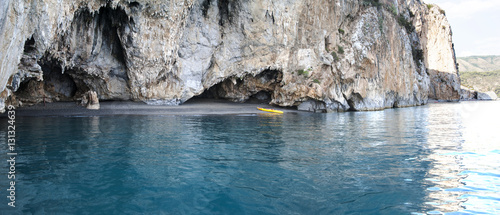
point(475, 25)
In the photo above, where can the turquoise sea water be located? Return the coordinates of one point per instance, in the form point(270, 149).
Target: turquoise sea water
point(439, 158)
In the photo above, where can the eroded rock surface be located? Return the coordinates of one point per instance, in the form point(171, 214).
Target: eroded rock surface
point(338, 55)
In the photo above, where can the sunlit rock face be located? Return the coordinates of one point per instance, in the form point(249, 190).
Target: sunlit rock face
point(436, 38)
point(338, 55)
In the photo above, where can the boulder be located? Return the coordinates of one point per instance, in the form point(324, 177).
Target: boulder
point(90, 100)
point(490, 95)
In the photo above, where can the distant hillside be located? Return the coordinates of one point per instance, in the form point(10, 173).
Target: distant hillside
point(481, 81)
point(479, 63)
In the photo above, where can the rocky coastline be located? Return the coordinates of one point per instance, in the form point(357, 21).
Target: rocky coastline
point(320, 56)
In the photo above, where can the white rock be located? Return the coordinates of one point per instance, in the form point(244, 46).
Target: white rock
point(490, 95)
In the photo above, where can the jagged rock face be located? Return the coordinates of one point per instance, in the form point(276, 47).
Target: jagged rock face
point(343, 54)
point(436, 38)
point(92, 52)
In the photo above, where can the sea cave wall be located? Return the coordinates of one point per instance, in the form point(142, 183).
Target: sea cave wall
point(336, 54)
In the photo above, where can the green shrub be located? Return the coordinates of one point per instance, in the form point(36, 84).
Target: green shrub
point(418, 55)
point(334, 55)
point(341, 31)
point(393, 10)
point(484, 81)
point(303, 72)
point(340, 49)
point(442, 12)
point(480, 74)
point(429, 6)
point(406, 24)
point(316, 81)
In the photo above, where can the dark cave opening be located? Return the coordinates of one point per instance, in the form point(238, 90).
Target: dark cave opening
point(29, 45)
point(28, 67)
point(95, 44)
point(105, 31)
point(134, 4)
point(218, 91)
point(261, 96)
point(351, 106)
point(255, 89)
point(355, 98)
point(56, 85)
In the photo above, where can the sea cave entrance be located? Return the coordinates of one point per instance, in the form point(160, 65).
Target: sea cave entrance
point(45, 78)
point(256, 89)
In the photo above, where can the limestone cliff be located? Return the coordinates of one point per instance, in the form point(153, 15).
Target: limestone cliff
point(331, 54)
point(440, 61)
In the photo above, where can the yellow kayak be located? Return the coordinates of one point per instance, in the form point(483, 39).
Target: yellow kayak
point(269, 110)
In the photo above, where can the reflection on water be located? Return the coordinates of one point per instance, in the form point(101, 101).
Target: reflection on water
point(465, 145)
point(433, 159)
